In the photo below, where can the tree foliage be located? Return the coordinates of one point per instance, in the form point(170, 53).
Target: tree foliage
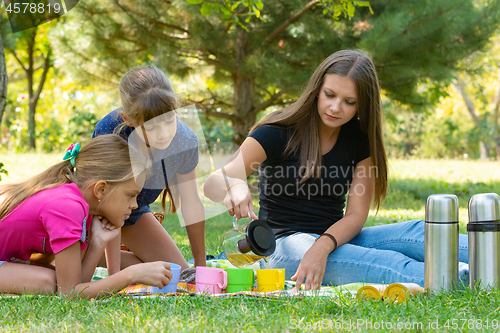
point(33, 53)
point(257, 54)
point(238, 59)
point(66, 110)
point(463, 122)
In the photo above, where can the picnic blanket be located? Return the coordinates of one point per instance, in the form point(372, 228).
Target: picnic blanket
point(188, 290)
point(184, 289)
point(400, 294)
point(396, 292)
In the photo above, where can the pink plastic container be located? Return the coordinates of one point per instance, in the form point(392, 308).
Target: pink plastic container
point(210, 280)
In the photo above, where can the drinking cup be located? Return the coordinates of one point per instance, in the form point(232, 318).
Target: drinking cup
point(210, 280)
point(239, 279)
point(172, 286)
point(270, 280)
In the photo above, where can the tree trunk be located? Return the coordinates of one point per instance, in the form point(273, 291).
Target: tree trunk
point(3, 81)
point(496, 117)
point(471, 108)
point(468, 103)
point(33, 95)
point(497, 142)
point(31, 125)
point(31, 99)
point(244, 105)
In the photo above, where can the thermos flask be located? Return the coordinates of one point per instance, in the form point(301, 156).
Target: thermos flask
point(441, 242)
point(484, 240)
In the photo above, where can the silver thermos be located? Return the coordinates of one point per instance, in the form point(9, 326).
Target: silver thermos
point(441, 242)
point(484, 240)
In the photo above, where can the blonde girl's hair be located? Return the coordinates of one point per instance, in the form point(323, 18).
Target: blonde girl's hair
point(302, 116)
point(146, 93)
point(106, 157)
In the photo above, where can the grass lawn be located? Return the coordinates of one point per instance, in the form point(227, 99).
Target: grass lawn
point(411, 181)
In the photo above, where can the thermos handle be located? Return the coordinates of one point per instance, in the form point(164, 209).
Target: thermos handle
point(281, 277)
point(235, 220)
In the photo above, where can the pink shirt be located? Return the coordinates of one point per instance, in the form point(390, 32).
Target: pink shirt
point(47, 222)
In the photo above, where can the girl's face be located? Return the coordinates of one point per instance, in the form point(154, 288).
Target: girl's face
point(337, 101)
point(158, 131)
point(118, 205)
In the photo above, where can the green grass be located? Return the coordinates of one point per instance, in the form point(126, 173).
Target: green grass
point(411, 181)
point(199, 314)
point(22, 166)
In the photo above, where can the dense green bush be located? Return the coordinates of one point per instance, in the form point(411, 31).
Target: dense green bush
point(436, 134)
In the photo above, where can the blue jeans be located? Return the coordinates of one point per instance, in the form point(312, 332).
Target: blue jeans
point(380, 254)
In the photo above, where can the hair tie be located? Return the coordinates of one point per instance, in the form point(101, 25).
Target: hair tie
point(71, 153)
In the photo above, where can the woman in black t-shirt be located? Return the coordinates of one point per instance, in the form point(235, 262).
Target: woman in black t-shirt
point(311, 155)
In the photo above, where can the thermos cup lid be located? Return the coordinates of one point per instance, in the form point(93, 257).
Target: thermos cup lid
point(259, 239)
point(441, 208)
point(484, 207)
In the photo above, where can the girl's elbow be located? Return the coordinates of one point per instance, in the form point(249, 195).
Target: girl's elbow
point(46, 283)
point(208, 191)
point(207, 186)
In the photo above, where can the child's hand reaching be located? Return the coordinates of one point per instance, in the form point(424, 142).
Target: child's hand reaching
point(156, 273)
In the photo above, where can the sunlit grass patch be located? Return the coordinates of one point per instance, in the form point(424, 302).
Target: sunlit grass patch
point(23, 166)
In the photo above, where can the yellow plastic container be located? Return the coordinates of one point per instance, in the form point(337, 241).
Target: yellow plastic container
point(375, 291)
point(400, 292)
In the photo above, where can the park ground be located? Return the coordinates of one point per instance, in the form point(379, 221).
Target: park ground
point(411, 181)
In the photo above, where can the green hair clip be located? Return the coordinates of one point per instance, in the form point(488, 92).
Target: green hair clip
point(71, 153)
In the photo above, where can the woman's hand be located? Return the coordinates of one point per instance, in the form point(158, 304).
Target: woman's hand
point(245, 161)
point(102, 231)
point(238, 200)
point(312, 267)
point(155, 273)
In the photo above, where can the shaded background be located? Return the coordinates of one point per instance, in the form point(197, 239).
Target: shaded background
point(438, 64)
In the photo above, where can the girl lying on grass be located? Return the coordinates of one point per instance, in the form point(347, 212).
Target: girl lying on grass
point(69, 213)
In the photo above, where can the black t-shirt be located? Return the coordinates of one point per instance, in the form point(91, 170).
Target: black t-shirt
point(315, 204)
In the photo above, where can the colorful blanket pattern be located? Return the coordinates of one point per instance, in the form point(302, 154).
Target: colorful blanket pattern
point(183, 289)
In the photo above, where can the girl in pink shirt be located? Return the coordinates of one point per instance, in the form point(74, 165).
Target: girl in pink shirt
point(68, 214)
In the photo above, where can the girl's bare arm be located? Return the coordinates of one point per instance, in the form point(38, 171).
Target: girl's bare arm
point(193, 213)
point(68, 275)
point(246, 160)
